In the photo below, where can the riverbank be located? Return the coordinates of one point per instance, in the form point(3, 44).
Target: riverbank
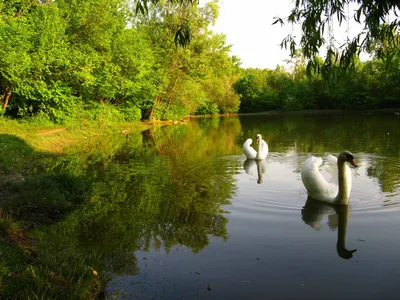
point(56, 139)
point(34, 194)
point(53, 138)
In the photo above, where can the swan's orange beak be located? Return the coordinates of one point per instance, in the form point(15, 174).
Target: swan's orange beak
point(257, 140)
point(353, 163)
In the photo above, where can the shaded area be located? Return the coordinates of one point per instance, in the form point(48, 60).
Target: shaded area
point(32, 195)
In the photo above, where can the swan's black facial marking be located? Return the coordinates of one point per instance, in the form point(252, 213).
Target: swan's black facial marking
point(350, 159)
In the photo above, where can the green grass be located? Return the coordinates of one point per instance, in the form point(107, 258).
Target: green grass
point(58, 139)
point(55, 276)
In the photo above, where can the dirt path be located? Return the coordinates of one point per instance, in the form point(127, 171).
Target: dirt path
point(51, 131)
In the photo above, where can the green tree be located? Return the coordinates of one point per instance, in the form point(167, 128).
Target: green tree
point(194, 79)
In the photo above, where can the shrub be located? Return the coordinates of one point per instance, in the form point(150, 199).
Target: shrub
point(131, 112)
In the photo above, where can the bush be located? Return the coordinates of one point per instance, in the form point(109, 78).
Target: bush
point(131, 112)
point(173, 112)
point(207, 109)
point(291, 103)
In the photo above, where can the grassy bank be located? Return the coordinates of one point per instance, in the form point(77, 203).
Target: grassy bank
point(53, 138)
point(33, 194)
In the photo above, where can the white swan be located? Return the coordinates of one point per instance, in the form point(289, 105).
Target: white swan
point(253, 154)
point(335, 186)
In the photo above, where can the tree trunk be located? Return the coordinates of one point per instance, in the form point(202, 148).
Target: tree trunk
point(6, 97)
point(158, 101)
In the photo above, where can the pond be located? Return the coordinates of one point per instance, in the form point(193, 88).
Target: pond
point(178, 213)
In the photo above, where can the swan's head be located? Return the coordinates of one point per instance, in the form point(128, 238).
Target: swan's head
point(258, 138)
point(347, 156)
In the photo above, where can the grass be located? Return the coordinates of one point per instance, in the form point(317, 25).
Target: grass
point(60, 139)
point(32, 194)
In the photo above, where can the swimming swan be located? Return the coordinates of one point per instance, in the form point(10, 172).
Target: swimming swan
point(335, 187)
point(253, 154)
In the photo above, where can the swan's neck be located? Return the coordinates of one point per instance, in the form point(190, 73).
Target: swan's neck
point(259, 171)
point(259, 148)
point(342, 196)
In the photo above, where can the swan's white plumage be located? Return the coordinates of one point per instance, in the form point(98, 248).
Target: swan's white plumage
point(248, 150)
point(253, 154)
point(323, 186)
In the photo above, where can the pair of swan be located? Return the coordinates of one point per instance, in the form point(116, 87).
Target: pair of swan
point(333, 188)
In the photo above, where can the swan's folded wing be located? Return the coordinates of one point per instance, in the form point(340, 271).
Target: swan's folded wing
point(310, 174)
point(330, 170)
point(248, 150)
point(264, 149)
point(315, 183)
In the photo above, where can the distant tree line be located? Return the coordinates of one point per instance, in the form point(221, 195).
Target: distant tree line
point(373, 84)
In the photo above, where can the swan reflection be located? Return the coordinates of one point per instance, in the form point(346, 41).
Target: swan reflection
point(313, 213)
point(249, 165)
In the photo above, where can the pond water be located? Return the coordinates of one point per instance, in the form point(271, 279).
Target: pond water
point(178, 212)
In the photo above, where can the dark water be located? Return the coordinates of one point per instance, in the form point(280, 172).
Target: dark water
point(177, 212)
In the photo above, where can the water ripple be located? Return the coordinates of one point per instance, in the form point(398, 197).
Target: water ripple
point(376, 185)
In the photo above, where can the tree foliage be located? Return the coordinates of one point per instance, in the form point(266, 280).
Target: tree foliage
point(368, 85)
point(183, 34)
point(317, 17)
point(67, 59)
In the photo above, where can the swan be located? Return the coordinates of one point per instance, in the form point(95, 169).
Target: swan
point(335, 186)
point(253, 154)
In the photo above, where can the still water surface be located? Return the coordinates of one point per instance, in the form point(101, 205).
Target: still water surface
point(184, 217)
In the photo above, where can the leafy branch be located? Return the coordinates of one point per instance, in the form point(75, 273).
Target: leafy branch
point(183, 34)
point(316, 16)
